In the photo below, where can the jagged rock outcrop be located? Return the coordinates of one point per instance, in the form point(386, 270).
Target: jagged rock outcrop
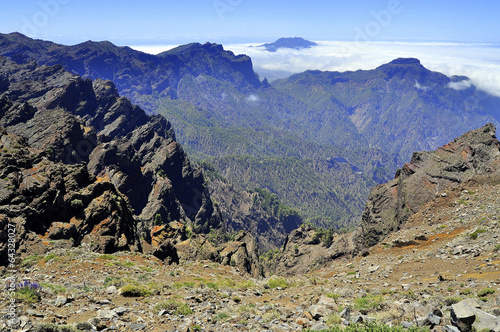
point(427, 175)
point(306, 249)
point(241, 252)
point(83, 132)
point(78, 120)
point(47, 201)
point(472, 157)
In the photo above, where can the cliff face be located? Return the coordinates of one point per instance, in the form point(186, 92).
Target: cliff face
point(427, 175)
point(471, 159)
point(50, 203)
point(92, 161)
point(78, 120)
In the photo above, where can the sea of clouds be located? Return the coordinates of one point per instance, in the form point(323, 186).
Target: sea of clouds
point(479, 62)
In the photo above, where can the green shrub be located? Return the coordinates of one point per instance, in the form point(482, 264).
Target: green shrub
point(174, 307)
point(367, 303)
point(485, 291)
point(279, 282)
point(158, 220)
point(27, 295)
point(184, 310)
point(452, 300)
point(465, 291)
point(135, 291)
point(76, 204)
point(476, 233)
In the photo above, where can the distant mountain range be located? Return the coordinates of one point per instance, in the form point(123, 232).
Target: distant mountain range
point(317, 140)
point(295, 43)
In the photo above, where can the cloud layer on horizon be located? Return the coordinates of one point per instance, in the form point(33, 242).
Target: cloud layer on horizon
point(479, 62)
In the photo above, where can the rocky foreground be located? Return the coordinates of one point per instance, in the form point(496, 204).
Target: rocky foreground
point(441, 270)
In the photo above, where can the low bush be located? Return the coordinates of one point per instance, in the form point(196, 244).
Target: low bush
point(135, 291)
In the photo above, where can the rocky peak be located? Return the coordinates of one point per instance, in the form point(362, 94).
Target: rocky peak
point(71, 120)
point(428, 174)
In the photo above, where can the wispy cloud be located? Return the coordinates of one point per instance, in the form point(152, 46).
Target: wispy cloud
point(421, 87)
point(462, 85)
point(253, 98)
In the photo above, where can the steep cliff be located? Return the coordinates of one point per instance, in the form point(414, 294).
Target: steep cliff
point(82, 130)
point(429, 174)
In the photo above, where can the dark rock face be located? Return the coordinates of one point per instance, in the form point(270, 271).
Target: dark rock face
point(48, 201)
point(91, 141)
point(428, 174)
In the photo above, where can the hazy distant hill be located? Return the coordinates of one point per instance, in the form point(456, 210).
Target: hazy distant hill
point(399, 107)
point(295, 43)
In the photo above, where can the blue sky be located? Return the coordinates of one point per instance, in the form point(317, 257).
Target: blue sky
point(460, 37)
point(163, 21)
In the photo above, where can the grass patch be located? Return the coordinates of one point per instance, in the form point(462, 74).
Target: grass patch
point(244, 285)
point(279, 282)
point(221, 316)
point(212, 285)
point(174, 307)
point(368, 303)
point(56, 289)
point(333, 319)
point(185, 284)
point(107, 257)
point(30, 260)
point(50, 257)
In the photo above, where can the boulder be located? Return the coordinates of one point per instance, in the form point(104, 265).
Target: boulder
point(463, 316)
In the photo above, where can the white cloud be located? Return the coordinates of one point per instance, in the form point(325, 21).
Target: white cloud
point(479, 62)
point(253, 98)
point(421, 87)
point(462, 85)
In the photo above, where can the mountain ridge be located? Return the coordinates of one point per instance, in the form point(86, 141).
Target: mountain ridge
point(374, 119)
